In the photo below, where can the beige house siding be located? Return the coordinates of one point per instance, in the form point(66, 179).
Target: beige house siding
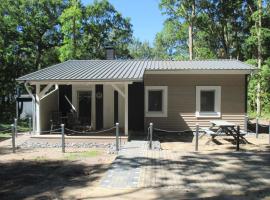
point(182, 99)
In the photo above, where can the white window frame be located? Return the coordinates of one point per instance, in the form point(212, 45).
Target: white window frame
point(217, 112)
point(164, 111)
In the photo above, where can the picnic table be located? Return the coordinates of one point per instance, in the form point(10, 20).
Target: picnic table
point(223, 128)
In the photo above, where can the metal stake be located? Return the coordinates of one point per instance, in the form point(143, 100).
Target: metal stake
point(30, 125)
point(197, 137)
point(13, 138)
point(151, 136)
point(257, 127)
point(238, 137)
point(63, 137)
point(15, 127)
point(117, 137)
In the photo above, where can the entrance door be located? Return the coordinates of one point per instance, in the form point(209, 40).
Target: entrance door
point(84, 103)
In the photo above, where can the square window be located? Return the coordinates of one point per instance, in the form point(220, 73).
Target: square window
point(207, 101)
point(155, 100)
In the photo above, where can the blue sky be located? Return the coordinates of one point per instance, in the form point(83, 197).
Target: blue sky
point(145, 15)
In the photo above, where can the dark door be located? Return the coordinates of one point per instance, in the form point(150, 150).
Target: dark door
point(84, 102)
point(136, 106)
point(99, 107)
point(65, 91)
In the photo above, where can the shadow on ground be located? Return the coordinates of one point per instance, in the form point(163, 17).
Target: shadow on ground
point(44, 179)
point(210, 176)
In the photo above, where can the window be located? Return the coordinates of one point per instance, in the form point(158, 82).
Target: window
point(156, 101)
point(208, 101)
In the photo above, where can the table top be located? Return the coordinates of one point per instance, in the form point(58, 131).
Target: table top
point(222, 123)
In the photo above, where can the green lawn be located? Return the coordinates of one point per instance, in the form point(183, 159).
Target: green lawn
point(85, 154)
point(263, 115)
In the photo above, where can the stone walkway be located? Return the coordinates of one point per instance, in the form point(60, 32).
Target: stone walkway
point(126, 169)
point(215, 171)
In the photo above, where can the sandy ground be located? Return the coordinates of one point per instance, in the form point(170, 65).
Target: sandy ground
point(220, 143)
point(49, 174)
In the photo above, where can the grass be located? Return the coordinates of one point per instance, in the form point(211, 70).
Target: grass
point(85, 154)
point(264, 115)
point(41, 158)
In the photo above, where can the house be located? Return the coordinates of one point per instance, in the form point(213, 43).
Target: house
point(174, 95)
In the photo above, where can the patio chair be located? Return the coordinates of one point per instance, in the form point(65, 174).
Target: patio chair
point(56, 120)
point(72, 120)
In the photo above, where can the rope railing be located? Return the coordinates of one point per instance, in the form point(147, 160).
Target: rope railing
point(91, 132)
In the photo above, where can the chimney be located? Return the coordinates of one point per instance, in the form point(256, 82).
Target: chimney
point(110, 53)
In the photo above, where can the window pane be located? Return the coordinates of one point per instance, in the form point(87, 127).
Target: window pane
point(155, 100)
point(208, 101)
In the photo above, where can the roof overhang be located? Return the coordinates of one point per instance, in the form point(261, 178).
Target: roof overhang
point(200, 71)
point(78, 82)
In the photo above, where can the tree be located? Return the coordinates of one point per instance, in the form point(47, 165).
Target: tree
point(71, 28)
point(104, 26)
point(140, 50)
point(179, 10)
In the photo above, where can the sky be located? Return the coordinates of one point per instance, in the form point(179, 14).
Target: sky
point(145, 15)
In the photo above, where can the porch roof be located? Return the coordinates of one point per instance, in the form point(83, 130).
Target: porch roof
point(126, 70)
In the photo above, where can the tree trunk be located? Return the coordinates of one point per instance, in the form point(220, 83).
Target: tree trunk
point(74, 38)
point(190, 31)
point(259, 27)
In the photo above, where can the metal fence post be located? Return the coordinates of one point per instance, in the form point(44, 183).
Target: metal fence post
point(246, 124)
point(30, 125)
point(13, 138)
point(63, 137)
point(238, 137)
point(151, 136)
point(15, 127)
point(257, 127)
point(197, 137)
point(117, 137)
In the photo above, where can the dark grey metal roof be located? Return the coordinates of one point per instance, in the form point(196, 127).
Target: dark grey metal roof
point(124, 70)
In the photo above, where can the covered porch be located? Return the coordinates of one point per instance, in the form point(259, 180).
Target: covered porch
point(86, 106)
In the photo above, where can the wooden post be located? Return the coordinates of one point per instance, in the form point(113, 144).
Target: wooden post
point(238, 138)
point(63, 137)
point(151, 136)
point(197, 137)
point(257, 127)
point(13, 138)
point(126, 109)
point(30, 125)
point(117, 137)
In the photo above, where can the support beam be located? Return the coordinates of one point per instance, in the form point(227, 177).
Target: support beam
point(43, 92)
point(126, 109)
point(26, 85)
point(118, 89)
point(45, 95)
point(37, 131)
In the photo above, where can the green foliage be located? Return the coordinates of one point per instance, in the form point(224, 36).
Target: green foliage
point(37, 34)
point(221, 29)
point(140, 50)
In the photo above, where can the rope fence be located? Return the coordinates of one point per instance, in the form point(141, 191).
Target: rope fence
point(91, 132)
